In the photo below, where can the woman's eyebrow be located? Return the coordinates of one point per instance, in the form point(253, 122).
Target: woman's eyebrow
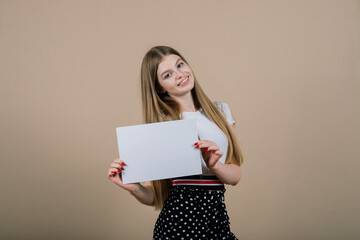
point(169, 69)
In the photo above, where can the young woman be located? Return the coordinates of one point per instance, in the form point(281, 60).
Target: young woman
point(192, 207)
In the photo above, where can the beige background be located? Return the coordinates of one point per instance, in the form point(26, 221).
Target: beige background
point(290, 71)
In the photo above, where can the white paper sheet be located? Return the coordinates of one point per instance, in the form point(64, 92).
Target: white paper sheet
point(159, 150)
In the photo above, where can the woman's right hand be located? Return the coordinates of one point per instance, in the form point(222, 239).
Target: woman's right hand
point(114, 174)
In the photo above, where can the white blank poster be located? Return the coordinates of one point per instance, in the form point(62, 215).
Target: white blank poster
point(159, 150)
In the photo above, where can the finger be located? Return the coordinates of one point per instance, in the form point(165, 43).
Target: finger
point(117, 165)
point(212, 148)
point(218, 153)
point(202, 142)
point(111, 173)
point(118, 160)
point(205, 145)
point(116, 170)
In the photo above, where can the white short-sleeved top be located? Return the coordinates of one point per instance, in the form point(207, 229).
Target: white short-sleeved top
point(210, 131)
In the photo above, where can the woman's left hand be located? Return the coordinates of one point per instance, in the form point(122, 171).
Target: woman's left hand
point(210, 151)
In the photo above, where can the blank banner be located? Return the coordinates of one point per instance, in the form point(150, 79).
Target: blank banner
point(159, 150)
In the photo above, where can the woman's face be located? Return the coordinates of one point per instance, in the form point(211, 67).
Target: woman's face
point(175, 76)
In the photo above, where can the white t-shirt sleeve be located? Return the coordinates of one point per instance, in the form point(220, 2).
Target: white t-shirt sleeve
point(225, 109)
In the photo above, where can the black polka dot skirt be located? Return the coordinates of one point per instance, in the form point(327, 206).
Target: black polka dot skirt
point(193, 213)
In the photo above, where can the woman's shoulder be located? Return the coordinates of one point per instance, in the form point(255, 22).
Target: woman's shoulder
point(225, 109)
point(221, 105)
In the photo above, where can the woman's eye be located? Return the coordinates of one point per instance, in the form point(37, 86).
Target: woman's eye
point(167, 75)
point(180, 65)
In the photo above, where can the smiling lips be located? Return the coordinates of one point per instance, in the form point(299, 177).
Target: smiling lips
point(184, 81)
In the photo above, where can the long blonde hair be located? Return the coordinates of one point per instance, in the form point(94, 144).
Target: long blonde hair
point(158, 106)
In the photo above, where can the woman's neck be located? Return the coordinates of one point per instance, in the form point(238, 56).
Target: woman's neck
point(186, 103)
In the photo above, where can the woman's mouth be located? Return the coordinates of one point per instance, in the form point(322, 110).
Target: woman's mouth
point(184, 82)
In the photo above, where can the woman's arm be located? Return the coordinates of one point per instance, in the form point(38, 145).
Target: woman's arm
point(227, 173)
point(143, 193)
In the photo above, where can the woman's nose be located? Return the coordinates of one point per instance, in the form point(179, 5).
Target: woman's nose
point(179, 74)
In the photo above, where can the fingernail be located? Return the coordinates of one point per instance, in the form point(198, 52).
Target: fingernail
point(113, 172)
point(119, 170)
point(122, 168)
point(213, 152)
point(197, 146)
point(123, 164)
point(196, 143)
point(206, 149)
